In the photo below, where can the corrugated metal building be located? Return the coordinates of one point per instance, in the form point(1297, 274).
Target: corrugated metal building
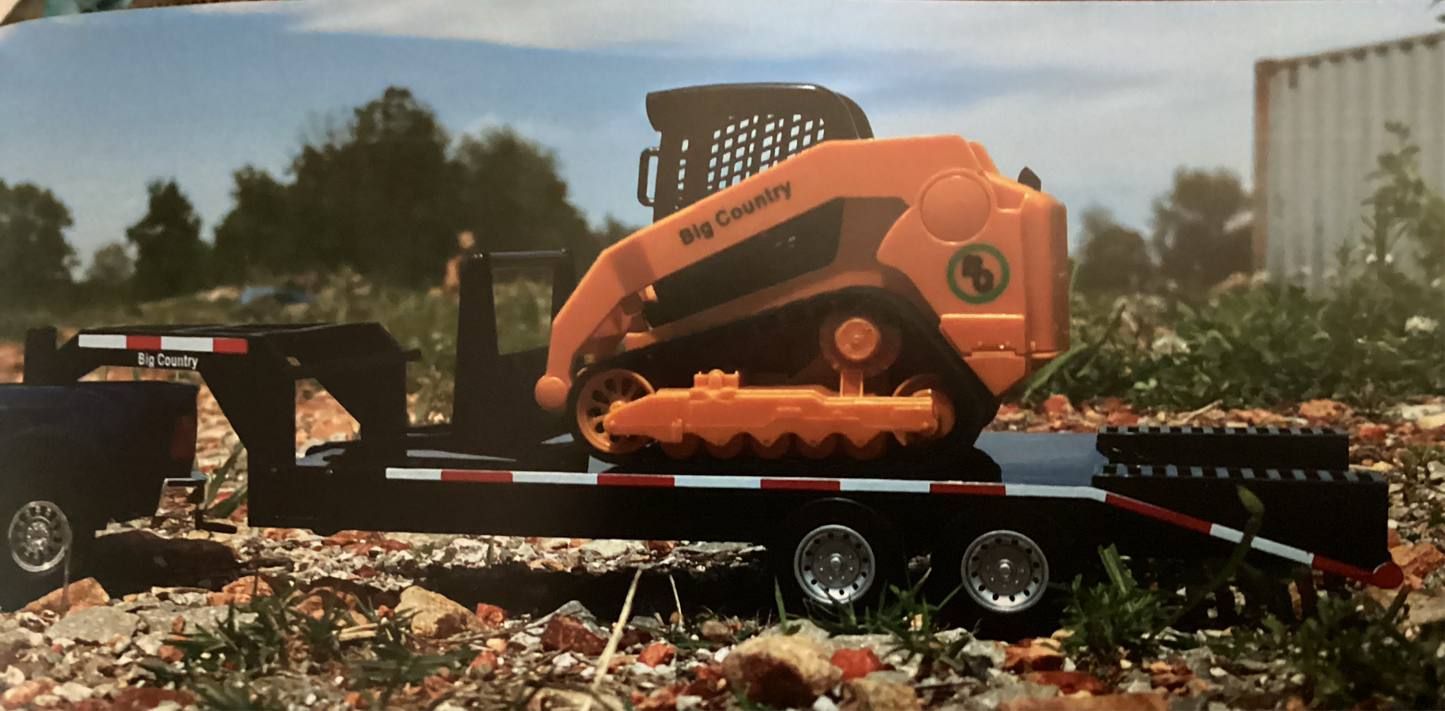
point(1319, 128)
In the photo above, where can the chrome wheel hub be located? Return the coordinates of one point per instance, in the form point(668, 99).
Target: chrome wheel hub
point(834, 564)
point(39, 536)
point(1005, 571)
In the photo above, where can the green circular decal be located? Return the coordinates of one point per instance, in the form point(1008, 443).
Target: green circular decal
point(977, 273)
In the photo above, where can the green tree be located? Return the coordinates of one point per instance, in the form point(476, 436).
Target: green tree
point(255, 238)
point(1115, 258)
point(611, 232)
point(514, 199)
point(1200, 235)
point(386, 192)
point(512, 196)
point(35, 258)
point(379, 195)
point(171, 259)
point(110, 268)
point(377, 192)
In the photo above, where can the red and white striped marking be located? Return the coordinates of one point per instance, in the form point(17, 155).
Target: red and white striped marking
point(185, 344)
point(1388, 575)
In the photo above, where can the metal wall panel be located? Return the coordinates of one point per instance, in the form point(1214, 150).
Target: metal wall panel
point(1320, 127)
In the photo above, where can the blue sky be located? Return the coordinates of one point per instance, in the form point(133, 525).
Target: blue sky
point(1103, 100)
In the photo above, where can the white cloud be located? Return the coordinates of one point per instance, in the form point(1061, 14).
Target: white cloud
point(1115, 37)
point(1110, 98)
point(1116, 95)
point(554, 24)
point(1116, 147)
point(239, 8)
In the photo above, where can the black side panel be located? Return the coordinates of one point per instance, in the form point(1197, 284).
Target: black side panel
point(494, 410)
point(715, 135)
point(1257, 447)
point(1340, 514)
point(40, 360)
point(803, 244)
point(625, 512)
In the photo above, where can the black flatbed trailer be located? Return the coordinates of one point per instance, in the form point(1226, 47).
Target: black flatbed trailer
point(1003, 520)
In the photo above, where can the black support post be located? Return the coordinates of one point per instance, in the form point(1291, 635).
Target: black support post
point(40, 360)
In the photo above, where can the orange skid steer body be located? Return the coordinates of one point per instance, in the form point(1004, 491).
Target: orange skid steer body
point(928, 221)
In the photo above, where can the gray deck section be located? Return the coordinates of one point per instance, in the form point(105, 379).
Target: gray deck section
point(1054, 458)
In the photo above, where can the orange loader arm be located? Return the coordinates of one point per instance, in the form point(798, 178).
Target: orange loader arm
point(896, 167)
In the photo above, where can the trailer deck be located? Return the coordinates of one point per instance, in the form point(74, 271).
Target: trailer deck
point(1058, 470)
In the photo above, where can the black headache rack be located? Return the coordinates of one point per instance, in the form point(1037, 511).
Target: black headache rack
point(1312, 499)
point(494, 410)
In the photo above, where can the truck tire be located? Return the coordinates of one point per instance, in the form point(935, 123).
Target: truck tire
point(836, 552)
point(48, 530)
point(1003, 573)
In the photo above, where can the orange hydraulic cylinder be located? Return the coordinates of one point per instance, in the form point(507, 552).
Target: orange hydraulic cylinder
point(717, 410)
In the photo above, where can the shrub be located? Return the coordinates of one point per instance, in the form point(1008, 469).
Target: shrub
point(1373, 335)
point(1256, 346)
point(1353, 654)
point(1120, 617)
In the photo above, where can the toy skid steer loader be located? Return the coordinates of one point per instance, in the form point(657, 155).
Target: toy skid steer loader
point(807, 290)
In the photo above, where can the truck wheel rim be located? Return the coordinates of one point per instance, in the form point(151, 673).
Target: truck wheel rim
point(1005, 571)
point(834, 564)
point(39, 536)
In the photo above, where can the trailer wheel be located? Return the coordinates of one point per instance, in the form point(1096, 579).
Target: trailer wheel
point(1004, 571)
point(39, 536)
point(836, 552)
point(48, 534)
point(1001, 574)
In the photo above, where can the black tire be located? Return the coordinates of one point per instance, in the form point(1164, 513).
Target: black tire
point(1009, 589)
point(47, 530)
point(867, 554)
